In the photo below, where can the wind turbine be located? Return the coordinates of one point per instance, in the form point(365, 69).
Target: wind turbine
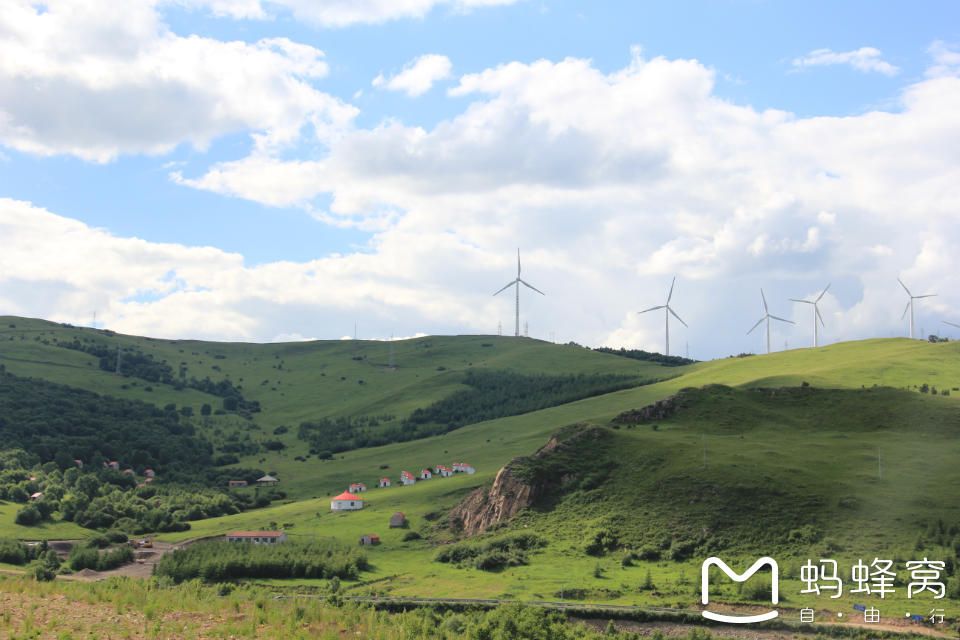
point(767, 317)
point(816, 315)
point(909, 306)
point(952, 324)
point(516, 283)
point(666, 314)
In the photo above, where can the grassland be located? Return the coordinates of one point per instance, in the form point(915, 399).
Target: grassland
point(789, 473)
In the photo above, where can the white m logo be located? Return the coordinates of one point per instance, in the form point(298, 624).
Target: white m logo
point(740, 577)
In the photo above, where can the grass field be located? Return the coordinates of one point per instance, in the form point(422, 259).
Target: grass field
point(794, 474)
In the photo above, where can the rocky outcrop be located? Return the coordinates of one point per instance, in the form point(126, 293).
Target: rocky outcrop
point(518, 485)
point(485, 508)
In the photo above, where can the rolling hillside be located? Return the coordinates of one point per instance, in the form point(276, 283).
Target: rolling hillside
point(858, 460)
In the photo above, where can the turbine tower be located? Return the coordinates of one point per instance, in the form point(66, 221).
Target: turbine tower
point(816, 315)
point(666, 314)
point(767, 317)
point(516, 283)
point(909, 306)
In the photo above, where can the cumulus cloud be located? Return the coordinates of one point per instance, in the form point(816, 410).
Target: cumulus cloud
point(418, 76)
point(613, 182)
point(610, 183)
point(866, 59)
point(338, 13)
point(98, 79)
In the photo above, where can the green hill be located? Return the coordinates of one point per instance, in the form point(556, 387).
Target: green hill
point(748, 459)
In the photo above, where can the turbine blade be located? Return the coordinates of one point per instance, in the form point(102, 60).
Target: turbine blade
point(670, 295)
point(765, 309)
point(905, 309)
point(803, 301)
point(822, 324)
point(904, 287)
point(518, 263)
point(822, 293)
point(759, 322)
point(929, 295)
point(783, 319)
point(952, 324)
point(674, 314)
point(527, 284)
point(509, 284)
point(652, 308)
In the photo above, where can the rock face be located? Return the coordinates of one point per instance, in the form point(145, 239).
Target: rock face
point(512, 489)
point(484, 508)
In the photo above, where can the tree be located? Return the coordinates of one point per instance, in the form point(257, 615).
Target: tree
point(206, 410)
point(28, 516)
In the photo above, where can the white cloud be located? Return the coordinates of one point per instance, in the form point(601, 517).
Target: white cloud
point(339, 13)
point(946, 60)
point(98, 79)
point(418, 76)
point(610, 183)
point(866, 59)
point(614, 182)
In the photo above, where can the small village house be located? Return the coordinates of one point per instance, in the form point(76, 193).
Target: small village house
point(406, 478)
point(267, 480)
point(149, 473)
point(346, 501)
point(443, 471)
point(257, 537)
point(36, 496)
point(128, 472)
point(384, 483)
point(463, 467)
point(234, 484)
point(398, 520)
point(79, 463)
point(425, 474)
point(113, 464)
point(357, 487)
point(370, 539)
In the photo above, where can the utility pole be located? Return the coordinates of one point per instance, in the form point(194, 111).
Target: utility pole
point(526, 329)
point(499, 328)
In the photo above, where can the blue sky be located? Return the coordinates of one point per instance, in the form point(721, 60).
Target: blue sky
point(171, 150)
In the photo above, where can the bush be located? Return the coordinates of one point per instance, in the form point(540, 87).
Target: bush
point(493, 555)
point(224, 561)
point(13, 552)
point(28, 516)
point(411, 535)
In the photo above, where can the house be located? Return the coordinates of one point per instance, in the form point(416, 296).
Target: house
point(128, 472)
point(357, 487)
point(79, 463)
point(233, 484)
point(346, 501)
point(406, 478)
point(113, 464)
point(36, 496)
point(149, 473)
point(425, 474)
point(443, 472)
point(398, 520)
point(384, 483)
point(463, 467)
point(257, 537)
point(267, 480)
point(370, 538)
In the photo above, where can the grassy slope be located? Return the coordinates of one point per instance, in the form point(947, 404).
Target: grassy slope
point(405, 568)
point(829, 453)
